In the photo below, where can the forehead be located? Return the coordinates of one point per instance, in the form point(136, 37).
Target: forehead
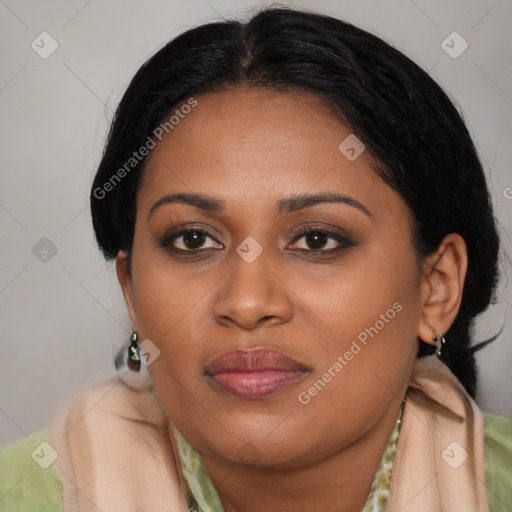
point(250, 146)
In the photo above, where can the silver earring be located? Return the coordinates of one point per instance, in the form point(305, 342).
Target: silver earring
point(129, 368)
point(133, 360)
point(439, 341)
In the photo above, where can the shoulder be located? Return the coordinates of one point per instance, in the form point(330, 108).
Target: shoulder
point(109, 412)
point(29, 479)
point(498, 461)
point(112, 441)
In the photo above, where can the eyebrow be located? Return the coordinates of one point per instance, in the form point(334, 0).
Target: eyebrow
point(286, 205)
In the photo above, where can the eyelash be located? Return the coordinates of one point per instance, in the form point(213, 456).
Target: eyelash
point(344, 242)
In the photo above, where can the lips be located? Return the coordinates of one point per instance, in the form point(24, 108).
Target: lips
point(254, 374)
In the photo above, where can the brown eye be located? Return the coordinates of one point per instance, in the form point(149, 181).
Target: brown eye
point(316, 239)
point(323, 241)
point(189, 240)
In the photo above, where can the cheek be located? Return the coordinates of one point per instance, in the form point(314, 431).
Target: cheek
point(372, 317)
point(374, 324)
point(164, 296)
point(166, 305)
point(167, 308)
point(375, 295)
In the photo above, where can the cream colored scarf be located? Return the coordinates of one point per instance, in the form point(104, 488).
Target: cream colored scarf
point(117, 452)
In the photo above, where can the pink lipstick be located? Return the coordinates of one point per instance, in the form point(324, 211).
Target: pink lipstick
point(254, 374)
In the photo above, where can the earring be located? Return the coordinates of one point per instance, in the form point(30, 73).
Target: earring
point(129, 368)
point(439, 341)
point(133, 360)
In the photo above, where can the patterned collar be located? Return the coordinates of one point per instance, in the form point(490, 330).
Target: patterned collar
point(203, 497)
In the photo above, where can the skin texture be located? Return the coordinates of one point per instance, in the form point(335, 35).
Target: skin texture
point(250, 148)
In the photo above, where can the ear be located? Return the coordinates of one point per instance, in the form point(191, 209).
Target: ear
point(125, 280)
point(442, 286)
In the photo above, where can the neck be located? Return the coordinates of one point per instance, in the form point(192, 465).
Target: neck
point(344, 477)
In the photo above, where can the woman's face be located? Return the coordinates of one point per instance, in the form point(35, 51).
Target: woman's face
point(344, 302)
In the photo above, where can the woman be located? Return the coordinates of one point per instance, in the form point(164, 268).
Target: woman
point(303, 235)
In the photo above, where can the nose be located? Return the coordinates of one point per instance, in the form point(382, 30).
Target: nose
point(252, 295)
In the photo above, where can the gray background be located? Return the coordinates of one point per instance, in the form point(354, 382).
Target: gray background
point(63, 319)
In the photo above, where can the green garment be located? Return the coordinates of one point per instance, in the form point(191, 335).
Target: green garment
point(498, 462)
point(25, 486)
